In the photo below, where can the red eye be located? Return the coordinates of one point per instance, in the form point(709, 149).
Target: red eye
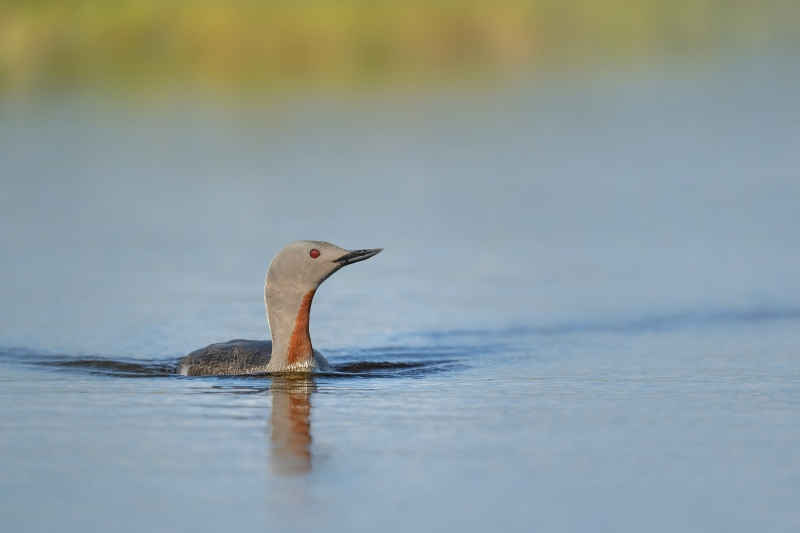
point(314, 253)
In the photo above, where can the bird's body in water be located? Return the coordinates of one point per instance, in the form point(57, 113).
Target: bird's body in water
point(292, 279)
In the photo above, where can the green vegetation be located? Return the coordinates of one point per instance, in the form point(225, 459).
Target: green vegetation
point(318, 43)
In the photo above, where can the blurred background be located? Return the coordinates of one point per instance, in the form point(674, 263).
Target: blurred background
point(529, 161)
point(268, 46)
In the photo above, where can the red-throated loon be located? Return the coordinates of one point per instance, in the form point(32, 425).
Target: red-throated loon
point(293, 276)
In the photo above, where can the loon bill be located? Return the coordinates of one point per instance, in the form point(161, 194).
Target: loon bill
point(293, 277)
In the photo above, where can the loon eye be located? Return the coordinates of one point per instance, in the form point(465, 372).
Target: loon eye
point(314, 253)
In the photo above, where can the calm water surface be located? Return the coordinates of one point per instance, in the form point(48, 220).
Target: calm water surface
point(587, 316)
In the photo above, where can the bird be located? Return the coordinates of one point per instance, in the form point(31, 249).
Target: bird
point(294, 275)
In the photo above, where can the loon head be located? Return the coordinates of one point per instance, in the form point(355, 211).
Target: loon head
point(304, 265)
point(294, 275)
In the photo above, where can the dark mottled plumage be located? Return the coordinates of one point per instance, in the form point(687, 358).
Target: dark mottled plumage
point(238, 356)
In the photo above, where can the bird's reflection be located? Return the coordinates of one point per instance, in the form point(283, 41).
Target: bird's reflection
point(290, 435)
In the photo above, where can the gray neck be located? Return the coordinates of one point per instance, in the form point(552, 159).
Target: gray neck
point(288, 311)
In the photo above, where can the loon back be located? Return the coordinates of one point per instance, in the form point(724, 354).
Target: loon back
point(238, 356)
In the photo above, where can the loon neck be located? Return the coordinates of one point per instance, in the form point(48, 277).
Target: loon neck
point(288, 312)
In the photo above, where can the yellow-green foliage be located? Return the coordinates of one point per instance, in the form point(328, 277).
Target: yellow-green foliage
point(341, 42)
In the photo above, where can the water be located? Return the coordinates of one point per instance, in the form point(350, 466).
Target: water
point(587, 316)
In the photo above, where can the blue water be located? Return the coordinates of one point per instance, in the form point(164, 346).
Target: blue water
point(587, 316)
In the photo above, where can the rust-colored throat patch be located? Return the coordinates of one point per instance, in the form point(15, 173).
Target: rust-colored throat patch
point(300, 343)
